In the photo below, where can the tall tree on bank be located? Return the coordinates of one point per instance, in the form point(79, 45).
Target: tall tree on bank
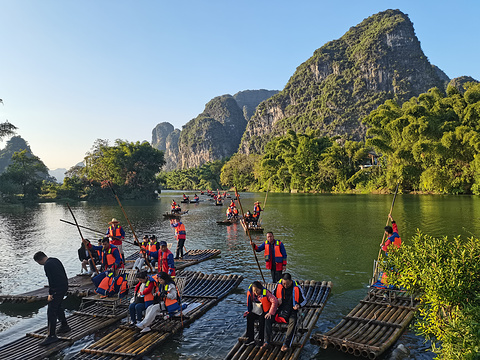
point(24, 176)
point(431, 142)
point(132, 167)
point(6, 129)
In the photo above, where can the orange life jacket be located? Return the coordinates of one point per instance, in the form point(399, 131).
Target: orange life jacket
point(280, 292)
point(169, 302)
point(180, 231)
point(263, 299)
point(277, 256)
point(114, 231)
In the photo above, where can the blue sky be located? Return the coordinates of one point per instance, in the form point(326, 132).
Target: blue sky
point(72, 72)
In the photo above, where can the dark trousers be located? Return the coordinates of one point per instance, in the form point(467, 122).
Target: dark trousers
point(55, 311)
point(264, 327)
point(276, 275)
point(180, 244)
point(292, 324)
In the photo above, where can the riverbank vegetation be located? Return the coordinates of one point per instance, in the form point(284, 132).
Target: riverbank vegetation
point(429, 144)
point(445, 273)
point(130, 167)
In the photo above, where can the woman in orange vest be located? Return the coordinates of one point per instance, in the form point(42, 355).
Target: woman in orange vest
point(143, 296)
point(261, 306)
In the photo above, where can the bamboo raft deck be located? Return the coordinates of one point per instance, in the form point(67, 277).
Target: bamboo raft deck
point(372, 326)
point(201, 291)
point(168, 215)
point(316, 294)
point(126, 342)
point(81, 286)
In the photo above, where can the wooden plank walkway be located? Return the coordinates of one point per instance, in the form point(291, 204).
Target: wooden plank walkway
point(81, 286)
point(317, 294)
point(202, 291)
point(372, 326)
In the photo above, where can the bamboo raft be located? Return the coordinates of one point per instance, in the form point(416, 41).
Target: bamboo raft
point(257, 229)
point(169, 215)
point(81, 286)
point(373, 325)
point(126, 342)
point(201, 291)
point(316, 294)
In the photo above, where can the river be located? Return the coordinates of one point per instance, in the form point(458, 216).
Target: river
point(327, 237)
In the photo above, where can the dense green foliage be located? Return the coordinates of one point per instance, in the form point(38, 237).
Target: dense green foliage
point(239, 171)
point(206, 176)
point(446, 274)
point(130, 167)
point(431, 142)
point(24, 176)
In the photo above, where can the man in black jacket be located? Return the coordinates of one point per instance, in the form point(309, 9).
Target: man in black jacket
point(58, 285)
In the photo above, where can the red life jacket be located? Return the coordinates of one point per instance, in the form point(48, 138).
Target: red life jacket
point(163, 263)
point(263, 299)
point(277, 256)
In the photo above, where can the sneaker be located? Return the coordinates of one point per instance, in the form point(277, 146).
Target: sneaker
point(146, 329)
point(250, 342)
point(63, 329)
point(49, 340)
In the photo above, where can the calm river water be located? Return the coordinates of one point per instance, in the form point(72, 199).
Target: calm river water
point(327, 237)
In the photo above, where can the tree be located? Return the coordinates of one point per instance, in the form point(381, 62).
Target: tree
point(6, 129)
point(132, 167)
point(445, 273)
point(28, 171)
point(239, 171)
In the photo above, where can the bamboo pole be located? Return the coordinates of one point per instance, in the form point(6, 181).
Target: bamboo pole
point(130, 224)
point(81, 236)
point(248, 233)
point(96, 231)
point(375, 273)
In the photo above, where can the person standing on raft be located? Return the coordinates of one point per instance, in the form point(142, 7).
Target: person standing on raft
point(116, 234)
point(275, 256)
point(180, 234)
point(57, 289)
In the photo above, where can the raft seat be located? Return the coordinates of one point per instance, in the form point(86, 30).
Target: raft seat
point(112, 302)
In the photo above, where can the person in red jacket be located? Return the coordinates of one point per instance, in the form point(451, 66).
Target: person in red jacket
point(165, 259)
point(262, 306)
point(275, 256)
point(392, 235)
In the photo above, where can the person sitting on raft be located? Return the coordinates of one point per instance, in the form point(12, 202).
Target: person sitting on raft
point(173, 206)
point(166, 300)
point(229, 213)
point(111, 259)
point(143, 296)
point(84, 257)
point(290, 298)
point(392, 236)
point(140, 261)
point(261, 306)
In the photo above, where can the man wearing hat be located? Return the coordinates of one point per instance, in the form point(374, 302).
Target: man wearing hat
point(116, 234)
point(166, 263)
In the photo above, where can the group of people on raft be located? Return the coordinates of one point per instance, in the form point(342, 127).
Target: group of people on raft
point(251, 219)
point(156, 293)
point(283, 304)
